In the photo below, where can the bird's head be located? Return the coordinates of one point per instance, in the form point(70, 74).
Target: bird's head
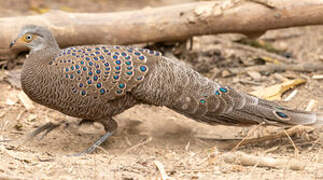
point(34, 38)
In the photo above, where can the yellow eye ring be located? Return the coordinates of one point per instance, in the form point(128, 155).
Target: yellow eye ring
point(28, 38)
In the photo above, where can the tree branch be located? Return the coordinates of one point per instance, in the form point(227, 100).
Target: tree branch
point(169, 23)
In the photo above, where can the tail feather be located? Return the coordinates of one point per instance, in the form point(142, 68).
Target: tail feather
point(247, 109)
point(182, 89)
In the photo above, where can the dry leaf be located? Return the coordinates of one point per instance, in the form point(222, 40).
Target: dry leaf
point(270, 60)
point(276, 91)
point(39, 10)
point(66, 9)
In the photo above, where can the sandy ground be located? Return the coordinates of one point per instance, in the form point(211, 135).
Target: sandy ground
point(148, 135)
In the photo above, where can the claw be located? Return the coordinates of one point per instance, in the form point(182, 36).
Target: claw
point(48, 127)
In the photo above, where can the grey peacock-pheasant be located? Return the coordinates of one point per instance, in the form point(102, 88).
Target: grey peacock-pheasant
point(97, 82)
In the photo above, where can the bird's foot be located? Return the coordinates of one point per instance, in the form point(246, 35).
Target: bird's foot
point(95, 145)
point(46, 128)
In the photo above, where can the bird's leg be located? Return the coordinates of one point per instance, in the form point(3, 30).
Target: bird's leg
point(110, 127)
point(48, 127)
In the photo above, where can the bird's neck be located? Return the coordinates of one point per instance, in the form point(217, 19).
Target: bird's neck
point(35, 70)
point(40, 57)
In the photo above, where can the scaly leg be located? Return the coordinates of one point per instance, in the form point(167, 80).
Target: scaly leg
point(48, 127)
point(110, 127)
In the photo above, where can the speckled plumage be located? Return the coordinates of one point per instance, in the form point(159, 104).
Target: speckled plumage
point(100, 81)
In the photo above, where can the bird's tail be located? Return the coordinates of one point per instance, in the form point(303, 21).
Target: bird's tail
point(182, 89)
point(228, 106)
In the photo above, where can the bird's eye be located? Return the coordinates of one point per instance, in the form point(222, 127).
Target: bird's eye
point(28, 37)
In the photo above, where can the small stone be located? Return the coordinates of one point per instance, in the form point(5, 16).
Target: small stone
point(254, 75)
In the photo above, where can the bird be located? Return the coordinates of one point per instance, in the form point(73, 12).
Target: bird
point(97, 82)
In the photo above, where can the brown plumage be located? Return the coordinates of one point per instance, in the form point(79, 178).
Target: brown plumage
point(97, 82)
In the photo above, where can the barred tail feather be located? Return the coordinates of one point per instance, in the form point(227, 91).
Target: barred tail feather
point(247, 109)
point(173, 84)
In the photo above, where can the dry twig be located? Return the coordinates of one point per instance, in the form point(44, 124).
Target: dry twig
point(305, 67)
point(161, 169)
point(247, 136)
point(251, 160)
point(138, 145)
point(291, 132)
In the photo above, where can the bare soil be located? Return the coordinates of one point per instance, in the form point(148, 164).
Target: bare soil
point(146, 134)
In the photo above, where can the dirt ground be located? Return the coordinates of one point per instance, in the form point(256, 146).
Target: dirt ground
point(148, 136)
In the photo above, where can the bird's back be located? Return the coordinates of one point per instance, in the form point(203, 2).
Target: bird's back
point(89, 81)
point(101, 71)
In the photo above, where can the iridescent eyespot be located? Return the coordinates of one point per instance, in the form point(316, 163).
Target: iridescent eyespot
point(224, 90)
point(95, 78)
point(141, 57)
point(143, 68)
point(281, 114)
point(102, 91)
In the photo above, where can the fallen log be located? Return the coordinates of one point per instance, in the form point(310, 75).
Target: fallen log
point(169, 23)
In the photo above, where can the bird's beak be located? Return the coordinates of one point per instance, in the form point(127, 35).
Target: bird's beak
point(17, 43)
point(12, 43)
